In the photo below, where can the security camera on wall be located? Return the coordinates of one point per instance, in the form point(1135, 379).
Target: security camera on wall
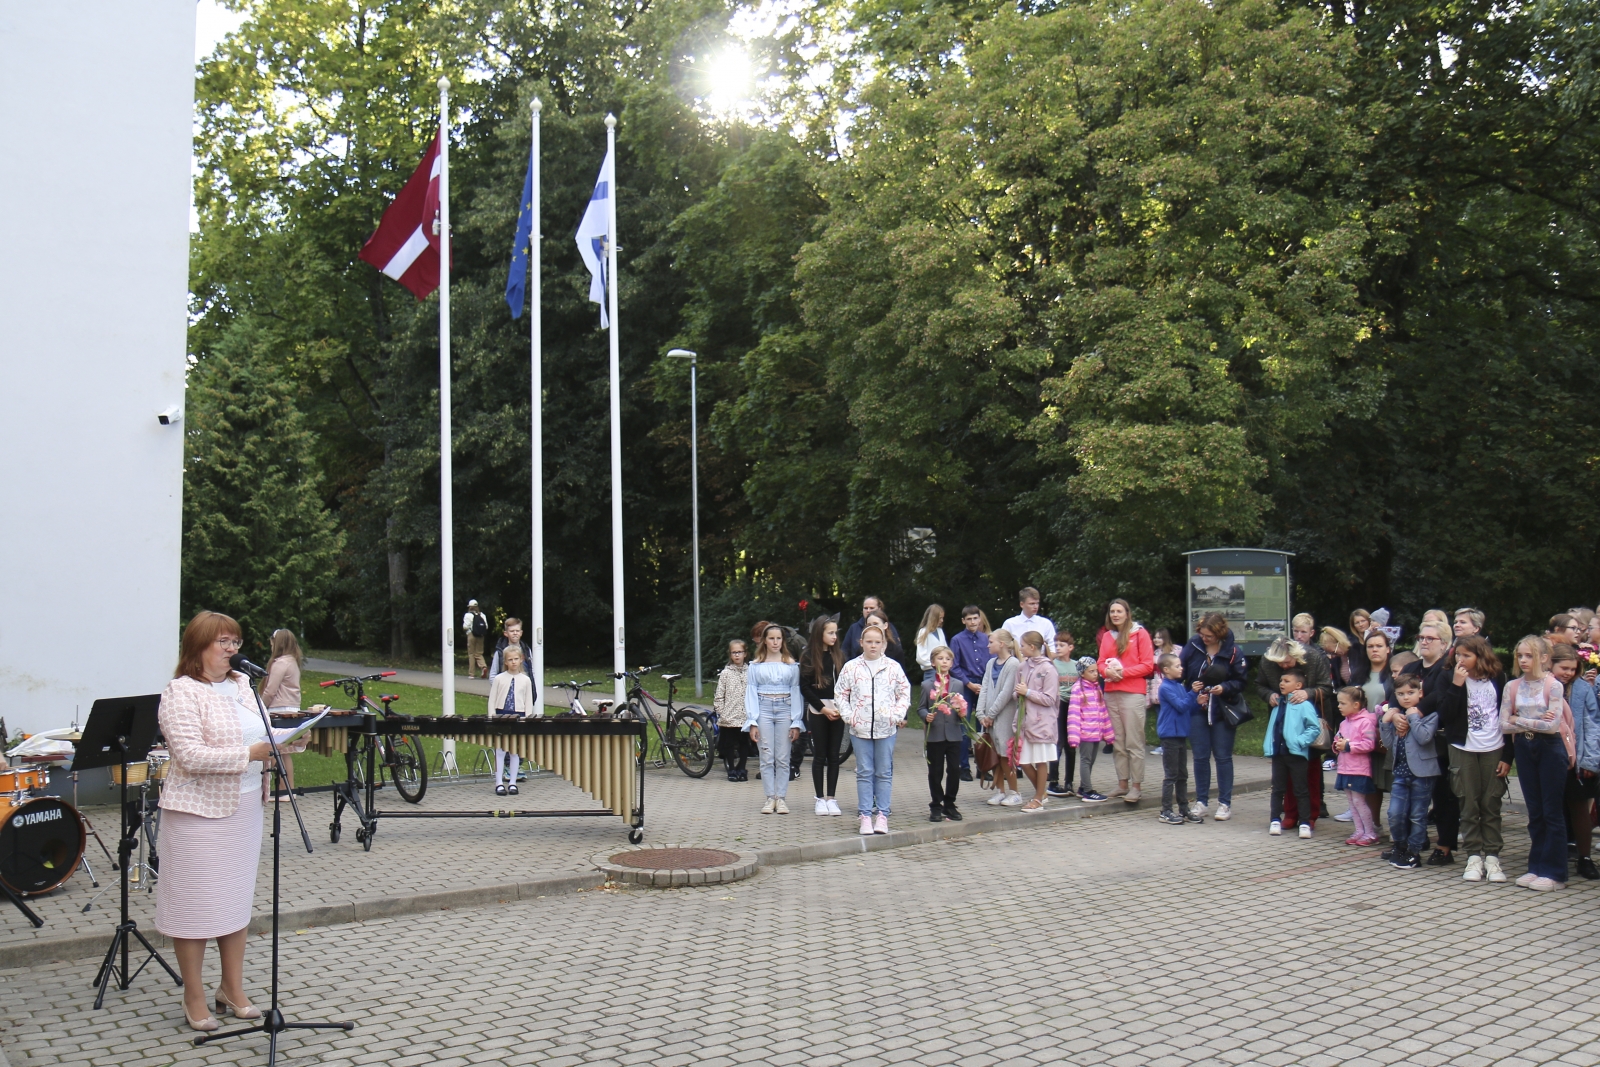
point(170, 416)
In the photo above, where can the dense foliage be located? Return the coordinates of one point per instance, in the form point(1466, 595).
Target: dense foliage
point(994, 293)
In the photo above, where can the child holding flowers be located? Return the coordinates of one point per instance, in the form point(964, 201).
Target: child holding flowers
point(944, 712)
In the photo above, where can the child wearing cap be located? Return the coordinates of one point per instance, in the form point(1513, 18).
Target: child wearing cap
point(1088, 725)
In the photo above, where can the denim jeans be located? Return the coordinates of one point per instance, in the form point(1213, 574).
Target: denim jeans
point(1542, 772)
point(775, 724)
point(874, 773)
point(1408, 812)
point(1212, 740)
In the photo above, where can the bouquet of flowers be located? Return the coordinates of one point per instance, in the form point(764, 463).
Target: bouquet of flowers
point(951, 703)
point(1588, 658)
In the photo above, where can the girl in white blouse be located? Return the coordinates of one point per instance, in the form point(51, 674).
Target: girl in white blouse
point(511, 693)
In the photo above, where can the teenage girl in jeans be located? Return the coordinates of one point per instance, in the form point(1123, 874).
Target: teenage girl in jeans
point(824, 657)
point(873, 697)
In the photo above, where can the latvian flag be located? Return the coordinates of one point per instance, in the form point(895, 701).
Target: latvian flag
point(406, 243)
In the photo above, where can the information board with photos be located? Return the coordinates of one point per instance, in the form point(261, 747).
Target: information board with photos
point(1249, 586)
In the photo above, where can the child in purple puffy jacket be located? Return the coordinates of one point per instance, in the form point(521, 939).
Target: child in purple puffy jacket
point(1088, 726)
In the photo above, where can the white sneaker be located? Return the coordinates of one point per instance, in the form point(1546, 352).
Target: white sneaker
point(1474, 871)
point(783, 806)
point(772, 802)
point(866, 826)
point(1491, 865)
point(1305, 831)
point(1224, 813)
point(1345, 816)
point(1528, 879)
point(1545, 885)
point(1012, 800)
point(833, 807)
point(1329, 764)
point(1275, 828)
point(997, 799)
point(880, 824)
point(822, 807)
point(1198, 810)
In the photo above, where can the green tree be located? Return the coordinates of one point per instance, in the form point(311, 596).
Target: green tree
point(259, 543)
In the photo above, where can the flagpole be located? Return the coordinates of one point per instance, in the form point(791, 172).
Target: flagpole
point(536, 624)
point(619, 655)
point(447, 555)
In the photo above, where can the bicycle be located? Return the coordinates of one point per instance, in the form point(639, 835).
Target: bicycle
point(575, 707)
point(684, 733)
point(399, 758)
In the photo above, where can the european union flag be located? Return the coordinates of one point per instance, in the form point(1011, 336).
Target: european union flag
point(521, 248)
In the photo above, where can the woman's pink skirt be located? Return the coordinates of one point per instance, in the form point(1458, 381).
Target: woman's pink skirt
point(208, 871)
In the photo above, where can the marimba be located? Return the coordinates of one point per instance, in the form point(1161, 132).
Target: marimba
point(599, 756)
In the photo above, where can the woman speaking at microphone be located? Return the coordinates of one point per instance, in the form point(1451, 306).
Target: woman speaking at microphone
point(211, 815)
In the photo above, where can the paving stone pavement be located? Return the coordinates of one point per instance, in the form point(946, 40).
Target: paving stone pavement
point(423, 856)
point(1110, 941)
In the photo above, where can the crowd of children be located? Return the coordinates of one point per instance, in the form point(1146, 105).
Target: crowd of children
point(1438, 728)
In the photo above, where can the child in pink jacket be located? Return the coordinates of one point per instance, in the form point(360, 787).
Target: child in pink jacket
point(1358, 736)
point(1088, 725)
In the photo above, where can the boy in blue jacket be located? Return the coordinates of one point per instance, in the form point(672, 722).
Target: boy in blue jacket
point(1172, 726)
point(1290, 733)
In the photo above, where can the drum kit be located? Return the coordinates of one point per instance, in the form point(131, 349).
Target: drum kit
point(43, 838)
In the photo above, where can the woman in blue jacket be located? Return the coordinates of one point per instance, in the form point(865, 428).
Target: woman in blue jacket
point(1211, 653)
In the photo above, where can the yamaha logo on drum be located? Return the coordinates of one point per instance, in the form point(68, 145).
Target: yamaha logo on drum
point(29, 818)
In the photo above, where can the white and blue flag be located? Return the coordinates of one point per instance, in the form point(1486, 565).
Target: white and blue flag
point(594, 235)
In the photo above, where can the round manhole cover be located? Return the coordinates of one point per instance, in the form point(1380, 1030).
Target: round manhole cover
point(675, 859)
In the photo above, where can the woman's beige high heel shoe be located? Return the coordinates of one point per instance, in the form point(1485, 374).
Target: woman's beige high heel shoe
point(248, 1011)
point(206, 1025)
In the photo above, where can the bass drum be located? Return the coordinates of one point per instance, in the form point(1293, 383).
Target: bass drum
point(41, 843)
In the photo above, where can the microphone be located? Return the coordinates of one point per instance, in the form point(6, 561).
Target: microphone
point(239, 663)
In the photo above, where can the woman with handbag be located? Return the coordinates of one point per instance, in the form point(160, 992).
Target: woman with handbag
point(1213, 663)
point(997, 713)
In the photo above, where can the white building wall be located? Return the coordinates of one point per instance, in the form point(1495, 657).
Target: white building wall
point(94, 218)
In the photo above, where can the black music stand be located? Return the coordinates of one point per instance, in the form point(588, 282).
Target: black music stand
point(120, 731)
point(272, 1022)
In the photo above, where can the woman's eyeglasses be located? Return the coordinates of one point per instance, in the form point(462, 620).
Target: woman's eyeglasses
point(231, 643)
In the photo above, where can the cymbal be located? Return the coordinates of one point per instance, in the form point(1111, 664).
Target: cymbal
point(75, 735)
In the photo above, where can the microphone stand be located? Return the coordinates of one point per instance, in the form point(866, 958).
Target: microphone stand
point(272, 1022)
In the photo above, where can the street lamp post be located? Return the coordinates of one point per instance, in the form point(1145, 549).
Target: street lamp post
point(694, 499)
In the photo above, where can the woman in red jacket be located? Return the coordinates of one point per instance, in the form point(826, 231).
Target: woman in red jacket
point(1126, 661)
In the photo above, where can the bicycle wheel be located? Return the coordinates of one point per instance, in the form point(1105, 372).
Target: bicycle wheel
point(689, 738)
point(408, 767)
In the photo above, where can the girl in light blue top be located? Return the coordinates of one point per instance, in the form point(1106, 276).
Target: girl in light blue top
point(776, 714)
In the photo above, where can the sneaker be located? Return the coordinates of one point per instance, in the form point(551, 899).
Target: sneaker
point(1345, 816)
point(1363, 842)
point(1156, 751)
point(833, 807)
point(936, 815)
point(1056, 789)
point(1441, 858)
point(1305, 832)
point(1171, 818)
point(1275, 828)
point(1012, 800)
point(1587, 869)
point(1546, 885)
point(1527, 879)
point(1406, 861)
point(821, 808)
point(1224, 813)
point(996, 800)
point(952, 814)
point(1198, 811)
point(1329, 764)
point(1133, 794)
point(1192, 817)
point(1491, 867)
point(782, 807)
point(1474, 871)
point(866, 826)
point(1386, 855)
point(1091, 797)
point(767, 808)
point(880, 824)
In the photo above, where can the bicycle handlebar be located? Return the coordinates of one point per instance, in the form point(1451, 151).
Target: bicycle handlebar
point(364, 678)
point(573, 685)
point(638, 674)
